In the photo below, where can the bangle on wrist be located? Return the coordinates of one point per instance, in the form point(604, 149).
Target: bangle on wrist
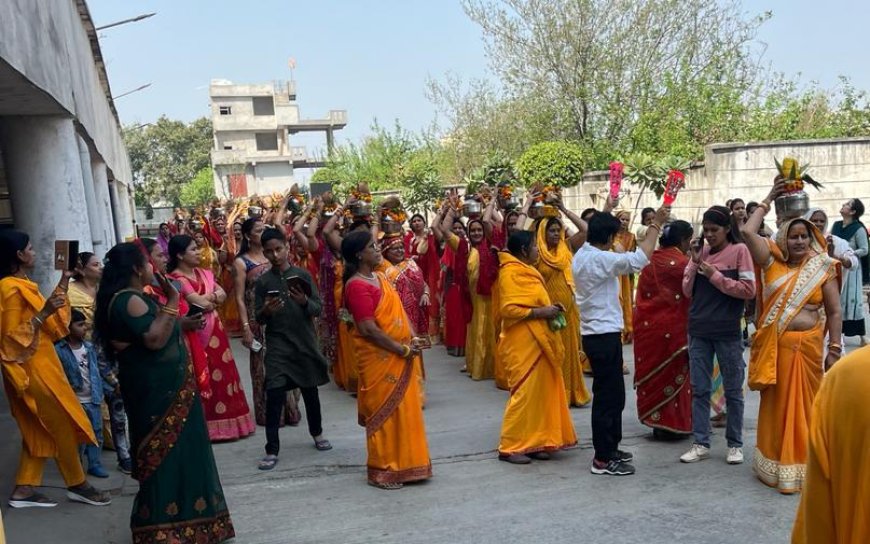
point(406, 350)
point(38, 319)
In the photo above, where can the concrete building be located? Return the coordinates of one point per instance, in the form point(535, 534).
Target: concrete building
point(252, 127)
point(64, 170)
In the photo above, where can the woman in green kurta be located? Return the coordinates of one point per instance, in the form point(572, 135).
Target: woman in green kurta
point(180, 498)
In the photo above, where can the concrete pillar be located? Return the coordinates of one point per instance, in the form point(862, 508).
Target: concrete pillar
point(44, 174)
point(104, 201)
point(96, 217)
point(123, 212)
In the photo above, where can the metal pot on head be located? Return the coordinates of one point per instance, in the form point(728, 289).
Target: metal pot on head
point(361, 208)
point(471, 208)
point(792, 205)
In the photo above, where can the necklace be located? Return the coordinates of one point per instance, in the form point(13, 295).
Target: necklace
point(370, 277)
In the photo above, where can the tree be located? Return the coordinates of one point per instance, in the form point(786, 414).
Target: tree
point(603, 63)
point(558, 163)
point(199, 190)
point(165, 155)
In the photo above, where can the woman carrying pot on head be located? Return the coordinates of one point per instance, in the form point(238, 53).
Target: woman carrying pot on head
point(787, 360)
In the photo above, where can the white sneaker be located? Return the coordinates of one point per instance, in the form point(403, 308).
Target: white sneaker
point(735, 456)
point(695, 454)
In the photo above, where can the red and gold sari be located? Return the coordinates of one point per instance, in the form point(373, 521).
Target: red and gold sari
point(536, 417)
point(389, 400)
point(424, 251)
point(787, 365)
point(664, 395)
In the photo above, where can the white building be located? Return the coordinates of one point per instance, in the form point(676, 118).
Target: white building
point(252, 127)
point(64, 171)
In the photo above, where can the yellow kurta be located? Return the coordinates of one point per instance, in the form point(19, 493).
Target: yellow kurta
point(536, 417)
point(555, 267)
point(835, 503)
point(389, 400)
point(49, 416)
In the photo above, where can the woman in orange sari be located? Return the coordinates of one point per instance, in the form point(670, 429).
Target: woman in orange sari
point(389, 396)
point(787, 359)
point(661, 357)
point(556, 251)
point(536, 419)
point(625, 242)
point(48, 413)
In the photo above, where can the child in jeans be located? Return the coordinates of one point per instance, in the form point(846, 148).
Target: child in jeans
point(80, 363)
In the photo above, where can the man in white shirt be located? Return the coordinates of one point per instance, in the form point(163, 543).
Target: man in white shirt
point(596, 272)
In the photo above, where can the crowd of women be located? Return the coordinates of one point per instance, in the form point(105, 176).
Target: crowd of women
point(496, 282)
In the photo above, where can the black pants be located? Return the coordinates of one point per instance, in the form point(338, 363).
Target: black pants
point(275, 400)
point(608, 392)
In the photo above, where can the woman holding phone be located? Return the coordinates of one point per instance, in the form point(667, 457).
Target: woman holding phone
point(226, 409)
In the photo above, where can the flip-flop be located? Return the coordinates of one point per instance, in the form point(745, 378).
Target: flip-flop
point(268, 462)
point(322, 445)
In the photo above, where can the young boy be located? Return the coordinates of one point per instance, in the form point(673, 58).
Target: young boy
point(286, 303)
point(80, 363)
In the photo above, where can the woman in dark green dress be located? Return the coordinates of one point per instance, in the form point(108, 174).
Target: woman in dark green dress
point(180, 498)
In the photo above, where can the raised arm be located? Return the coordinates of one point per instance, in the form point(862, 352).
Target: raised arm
point(314, 224)
point(487, 219)
point(578, 238)
point(330, 229)
point(757, 244)
point(299, 231)
point(648, 245)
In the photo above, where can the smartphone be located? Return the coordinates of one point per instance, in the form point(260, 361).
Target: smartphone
point(195, 310)
point(66, 254)
point(274, 293)
point(299, 283)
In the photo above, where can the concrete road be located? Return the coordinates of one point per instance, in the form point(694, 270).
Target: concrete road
point(322, 497)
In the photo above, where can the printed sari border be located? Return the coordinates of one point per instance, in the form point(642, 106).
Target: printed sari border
point(209, 530)
point(661, 366)
point(385, 476)
point(382, 414)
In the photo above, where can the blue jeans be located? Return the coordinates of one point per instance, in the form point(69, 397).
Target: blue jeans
point(733, 369)
point(91, 451)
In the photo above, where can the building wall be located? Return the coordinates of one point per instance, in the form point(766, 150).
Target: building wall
point(746, 170)
point(46, 40)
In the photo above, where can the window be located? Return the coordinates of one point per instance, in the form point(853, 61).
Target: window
point(228, 148)
point(225, 110)
point(264, 105)
point(267, 141)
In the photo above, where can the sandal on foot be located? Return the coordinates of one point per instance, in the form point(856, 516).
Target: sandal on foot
point(322, 445)
point(36, 500)
point(268, 462)
point(388, 486)
point(515, 459)
point(88, 494)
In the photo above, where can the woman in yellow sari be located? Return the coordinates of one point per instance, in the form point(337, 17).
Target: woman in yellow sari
point(388, 399)
point(786, 363)
point(556, 252)
point(625, 242)
point(482, 269)
point(48, 413)
point(536, 419)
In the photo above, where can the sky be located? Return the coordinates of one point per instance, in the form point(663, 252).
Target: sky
point(373, 57)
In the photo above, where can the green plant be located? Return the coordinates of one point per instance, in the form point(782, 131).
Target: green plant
point(560, 163)
point(199, 190)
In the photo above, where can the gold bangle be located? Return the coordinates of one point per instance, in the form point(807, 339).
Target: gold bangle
point(169, 311)
point(38, 320)
point(764, 206)
point(406, 350)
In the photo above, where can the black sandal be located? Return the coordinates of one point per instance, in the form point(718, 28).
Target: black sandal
point(268, 462)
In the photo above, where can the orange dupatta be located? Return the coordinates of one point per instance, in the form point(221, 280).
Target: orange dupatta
point(786, 291)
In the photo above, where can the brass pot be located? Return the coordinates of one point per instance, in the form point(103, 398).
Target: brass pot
point(255, 211)
point(792, 205)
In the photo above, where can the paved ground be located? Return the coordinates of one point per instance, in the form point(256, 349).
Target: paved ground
point(321, 497)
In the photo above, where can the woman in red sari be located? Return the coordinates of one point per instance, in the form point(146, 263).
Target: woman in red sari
point(454, 279)
point(664, 397)
point(226, 410)
point(409, 282)
point(422, 247)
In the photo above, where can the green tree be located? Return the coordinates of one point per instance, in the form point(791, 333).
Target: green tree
point(199, 190)
point(559, 163)
point(165, 155)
